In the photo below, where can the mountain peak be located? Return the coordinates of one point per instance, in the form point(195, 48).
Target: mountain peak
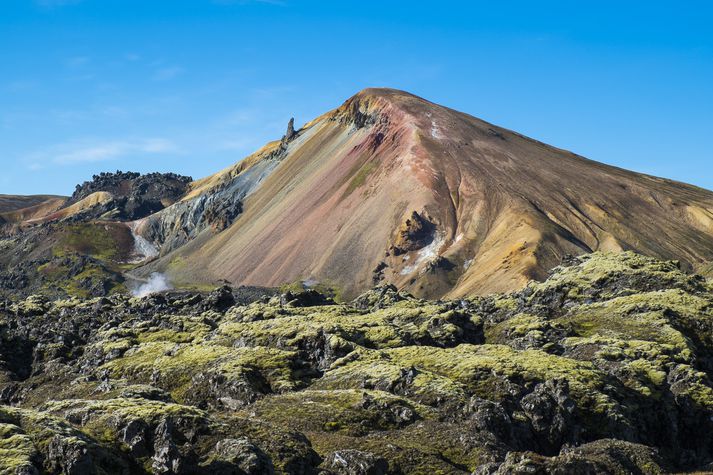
point(382, 105)
point(386, 95)
point(382, 92)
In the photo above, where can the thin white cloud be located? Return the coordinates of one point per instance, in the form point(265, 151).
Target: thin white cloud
point(86, 116)
point(240, 144)
point(99, 151)
point(93, 153)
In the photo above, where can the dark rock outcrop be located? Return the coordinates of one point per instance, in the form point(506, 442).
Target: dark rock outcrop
point(355, 462)
point(290, 134)
point(414, 233)
point(134, 196)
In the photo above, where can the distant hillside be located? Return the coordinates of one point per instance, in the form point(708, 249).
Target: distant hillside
point(16, 208)
point(15, 202)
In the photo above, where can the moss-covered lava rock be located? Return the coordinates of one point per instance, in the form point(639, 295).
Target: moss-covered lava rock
point(606, 367)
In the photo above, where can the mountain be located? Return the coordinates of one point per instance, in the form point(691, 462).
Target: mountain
point(392, 188)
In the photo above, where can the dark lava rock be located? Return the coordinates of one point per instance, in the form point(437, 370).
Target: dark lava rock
point(379, 297)
point(244, 456)
point(355, 462)
point(290, 134)
point(305, 298)
point(414, 233)
point(578, 374)
point(135, 195)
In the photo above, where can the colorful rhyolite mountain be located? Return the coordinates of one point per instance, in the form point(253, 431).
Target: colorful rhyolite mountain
point(392, 188)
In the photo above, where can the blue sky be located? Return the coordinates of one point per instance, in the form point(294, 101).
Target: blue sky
point(192, 86)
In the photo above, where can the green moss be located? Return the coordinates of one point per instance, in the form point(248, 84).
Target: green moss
point(327, 289)
point(175, 364)
point(406, 433)
point(642, 366)
point(16, 450)
point(352, 412)
point(697, 386)
point(53, 270)
point(457, 373)
point(653, 316)
point(594, 271)
point(29, 442)
point(505, 302)
point(630, 336)
point(520, 325)
point(360, 174)
point(59, 273)
point(151, 412)
point(104, 241)
point(183, 330)
point(102, 420)
point(394, 326)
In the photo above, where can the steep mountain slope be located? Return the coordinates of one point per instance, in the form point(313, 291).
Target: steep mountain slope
point(390, 187)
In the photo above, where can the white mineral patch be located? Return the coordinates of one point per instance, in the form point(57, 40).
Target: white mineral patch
point(427, 254)
point(435, 131)
point(143, 248)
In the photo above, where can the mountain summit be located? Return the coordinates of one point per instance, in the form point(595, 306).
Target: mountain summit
point(390, 187)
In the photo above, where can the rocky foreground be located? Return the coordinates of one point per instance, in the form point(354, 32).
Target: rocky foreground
point(604, 368)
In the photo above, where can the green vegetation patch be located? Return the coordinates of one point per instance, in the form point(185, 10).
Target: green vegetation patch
point(608, 275)
point(104, 241)
point(398, 325)
point(466, 370)
point(360, 174)
point(351, 412)
point(17, 452)
point(652, 316)
point(173, 359)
